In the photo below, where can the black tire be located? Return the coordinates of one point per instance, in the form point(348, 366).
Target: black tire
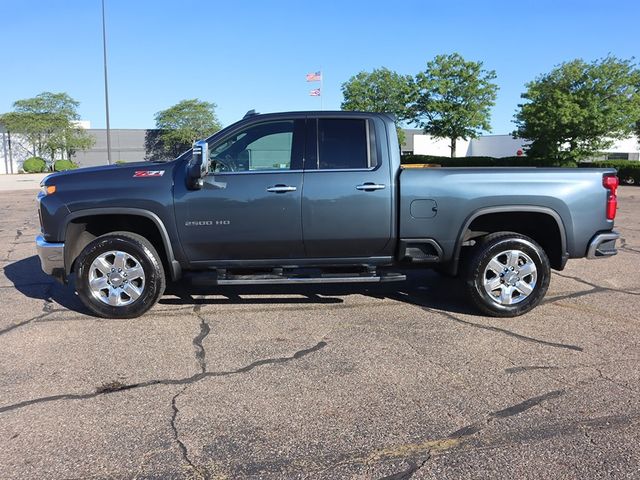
point(475, 274)
point(152, 285)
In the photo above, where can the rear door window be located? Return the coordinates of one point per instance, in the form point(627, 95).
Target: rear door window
point(343, 143)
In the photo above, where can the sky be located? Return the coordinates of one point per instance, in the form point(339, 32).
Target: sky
point(254, 54)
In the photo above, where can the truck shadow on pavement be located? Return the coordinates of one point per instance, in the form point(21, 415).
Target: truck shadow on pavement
point(29, 279)
point(425, 289)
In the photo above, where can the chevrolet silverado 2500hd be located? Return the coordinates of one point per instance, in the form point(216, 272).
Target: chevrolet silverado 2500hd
point(313, 197)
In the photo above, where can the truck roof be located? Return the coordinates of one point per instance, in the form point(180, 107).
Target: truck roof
point(320, 113)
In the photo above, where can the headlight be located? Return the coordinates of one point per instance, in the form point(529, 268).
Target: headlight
point(47, 190)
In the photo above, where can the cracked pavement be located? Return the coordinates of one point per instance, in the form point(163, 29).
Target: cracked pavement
point(365, 382)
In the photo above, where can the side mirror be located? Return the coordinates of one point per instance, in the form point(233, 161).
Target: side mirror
point(198, 166)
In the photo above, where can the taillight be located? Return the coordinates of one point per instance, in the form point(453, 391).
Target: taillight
point(610, 182)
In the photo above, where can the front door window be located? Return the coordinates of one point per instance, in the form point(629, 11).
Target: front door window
point(263, 147)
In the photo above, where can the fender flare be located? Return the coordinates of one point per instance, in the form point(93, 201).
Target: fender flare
point(175, 269)
point(509, 209)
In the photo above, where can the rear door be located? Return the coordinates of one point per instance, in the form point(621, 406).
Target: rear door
point(346, 197)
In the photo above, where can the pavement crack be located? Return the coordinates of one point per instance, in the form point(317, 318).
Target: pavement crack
point(615, 382)
point(410, 471)
point(47, 309)
point(624, 246)
point(526, 405)
point(587, 435)
point(513, 410)
point(201, 353)
point(48, 301)
point(596, 288)
point(12, 245)
point(181, 446)
point(570, 296)
point(23, 323)
point(452, 441)
point(457, 440)
point(504, 331)
point(525, 368)
point(491, 328)
point(179, 381)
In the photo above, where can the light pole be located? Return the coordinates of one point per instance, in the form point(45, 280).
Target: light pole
point(106, 85)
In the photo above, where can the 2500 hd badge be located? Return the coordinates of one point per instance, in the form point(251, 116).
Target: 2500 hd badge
point(206, 223)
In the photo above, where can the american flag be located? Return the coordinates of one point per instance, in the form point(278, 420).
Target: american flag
point(314, 77)
point(315, 92)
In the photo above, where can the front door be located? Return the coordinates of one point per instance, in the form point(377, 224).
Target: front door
point(249, 207)
point(347, 196)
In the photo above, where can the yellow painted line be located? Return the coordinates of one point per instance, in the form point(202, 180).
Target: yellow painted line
point(409, 449)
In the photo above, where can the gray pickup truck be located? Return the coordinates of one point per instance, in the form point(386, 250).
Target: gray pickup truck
point(317, 197)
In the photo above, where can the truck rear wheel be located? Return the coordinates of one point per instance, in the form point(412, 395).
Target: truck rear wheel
point(507, 274)
point(119, 275)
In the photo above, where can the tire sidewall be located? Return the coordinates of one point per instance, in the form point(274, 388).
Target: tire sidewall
point(146, 258)
point(540, 259)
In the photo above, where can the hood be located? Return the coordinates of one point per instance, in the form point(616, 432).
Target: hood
point(108, 173)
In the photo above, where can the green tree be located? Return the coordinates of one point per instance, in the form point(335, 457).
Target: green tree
point(184, 123)
point(75, 139)
point(455, 97)
point(381, 90)
point(49, 103)
point(36, 128)
point(579, 108)
point(48, 122)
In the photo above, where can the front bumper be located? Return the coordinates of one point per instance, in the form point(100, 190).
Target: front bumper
point(51, 256)
point(603, 245)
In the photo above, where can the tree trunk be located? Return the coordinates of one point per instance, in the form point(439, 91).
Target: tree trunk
point(453, 147)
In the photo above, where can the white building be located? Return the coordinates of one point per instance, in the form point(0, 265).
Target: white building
point(499, 146)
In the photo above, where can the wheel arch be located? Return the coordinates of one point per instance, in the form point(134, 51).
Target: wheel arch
point(82, 226)
point(502, 216)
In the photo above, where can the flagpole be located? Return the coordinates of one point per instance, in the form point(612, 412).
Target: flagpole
point(321, 87)
point(106, 85)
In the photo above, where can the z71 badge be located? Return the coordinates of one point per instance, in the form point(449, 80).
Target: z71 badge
point(148, 173)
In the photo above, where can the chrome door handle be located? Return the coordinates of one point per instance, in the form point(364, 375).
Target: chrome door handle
point(281, 189)
point(370, 186)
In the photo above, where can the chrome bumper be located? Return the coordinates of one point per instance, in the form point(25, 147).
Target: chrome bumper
point(603, 245)
point(51, 255)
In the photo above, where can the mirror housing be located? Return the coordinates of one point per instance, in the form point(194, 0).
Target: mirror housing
point(198, 165)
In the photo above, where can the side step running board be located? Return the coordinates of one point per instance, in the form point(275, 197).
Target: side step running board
point(326, 278)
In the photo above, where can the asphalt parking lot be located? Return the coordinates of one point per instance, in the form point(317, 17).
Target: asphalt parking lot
point(397, 381)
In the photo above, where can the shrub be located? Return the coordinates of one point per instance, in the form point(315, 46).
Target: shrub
point(483, 161)
point(120, 162)
point(62, 165)
point(34, 165)
point(628, 170)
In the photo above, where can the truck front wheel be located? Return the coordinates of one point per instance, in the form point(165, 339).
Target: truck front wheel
point(119, 275)
point(507, 274)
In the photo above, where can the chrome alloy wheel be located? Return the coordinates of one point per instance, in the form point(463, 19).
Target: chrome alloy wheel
point(116, 278)
point(510, 277)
